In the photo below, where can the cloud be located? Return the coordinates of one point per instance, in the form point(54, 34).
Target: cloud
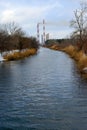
point(82, 0)
point(60, 34)
point(60, 23)
point(26, 15)
point(23, 13)
point(29, 13)
point(7, 16)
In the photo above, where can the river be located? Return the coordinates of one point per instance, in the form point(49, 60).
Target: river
point(42, 92)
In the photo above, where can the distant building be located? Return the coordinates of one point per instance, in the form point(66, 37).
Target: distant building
point(47, 36)
point(42, 39)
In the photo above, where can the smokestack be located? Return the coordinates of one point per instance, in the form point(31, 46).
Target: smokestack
point(43, 31)
point(38, 32)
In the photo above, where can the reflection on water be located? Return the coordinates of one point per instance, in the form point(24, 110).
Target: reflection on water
point(43, 92)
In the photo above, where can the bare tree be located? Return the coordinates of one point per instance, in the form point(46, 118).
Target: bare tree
point(80, 23)
point(12, 37)
point(13, 29)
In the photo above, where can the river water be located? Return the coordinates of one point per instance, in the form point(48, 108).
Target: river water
point(42, 92)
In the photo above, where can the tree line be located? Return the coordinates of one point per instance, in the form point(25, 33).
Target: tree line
point(12, 37)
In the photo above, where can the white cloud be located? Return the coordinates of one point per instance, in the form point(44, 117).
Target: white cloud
point(60, 34)
point(7, 16)
point(28, 15)
point(60, 23)
point(24, 12)
point(82, 0)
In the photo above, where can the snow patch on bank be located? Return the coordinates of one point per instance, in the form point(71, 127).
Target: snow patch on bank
point(9, 52)
point(1, 58)
point(5, 53)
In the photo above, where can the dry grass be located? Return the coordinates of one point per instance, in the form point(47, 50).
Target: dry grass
point(78, 56)
point(54, 47)
point(71, 50)
point(20, 55)
point(82, 63)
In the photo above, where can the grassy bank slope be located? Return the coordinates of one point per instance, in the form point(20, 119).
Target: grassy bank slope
point(78, 56)
point(20, 54)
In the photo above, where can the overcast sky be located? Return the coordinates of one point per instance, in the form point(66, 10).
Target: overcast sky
point(27, 13)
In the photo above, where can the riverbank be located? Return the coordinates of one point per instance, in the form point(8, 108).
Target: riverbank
point(20, 54)
point(79, 56)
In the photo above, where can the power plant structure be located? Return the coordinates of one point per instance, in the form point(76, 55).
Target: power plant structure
point(47, 36)
point(43, 36)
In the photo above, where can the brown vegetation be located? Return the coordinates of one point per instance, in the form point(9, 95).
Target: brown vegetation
point(79, 56)
point(20, 55)
point(55, 47)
